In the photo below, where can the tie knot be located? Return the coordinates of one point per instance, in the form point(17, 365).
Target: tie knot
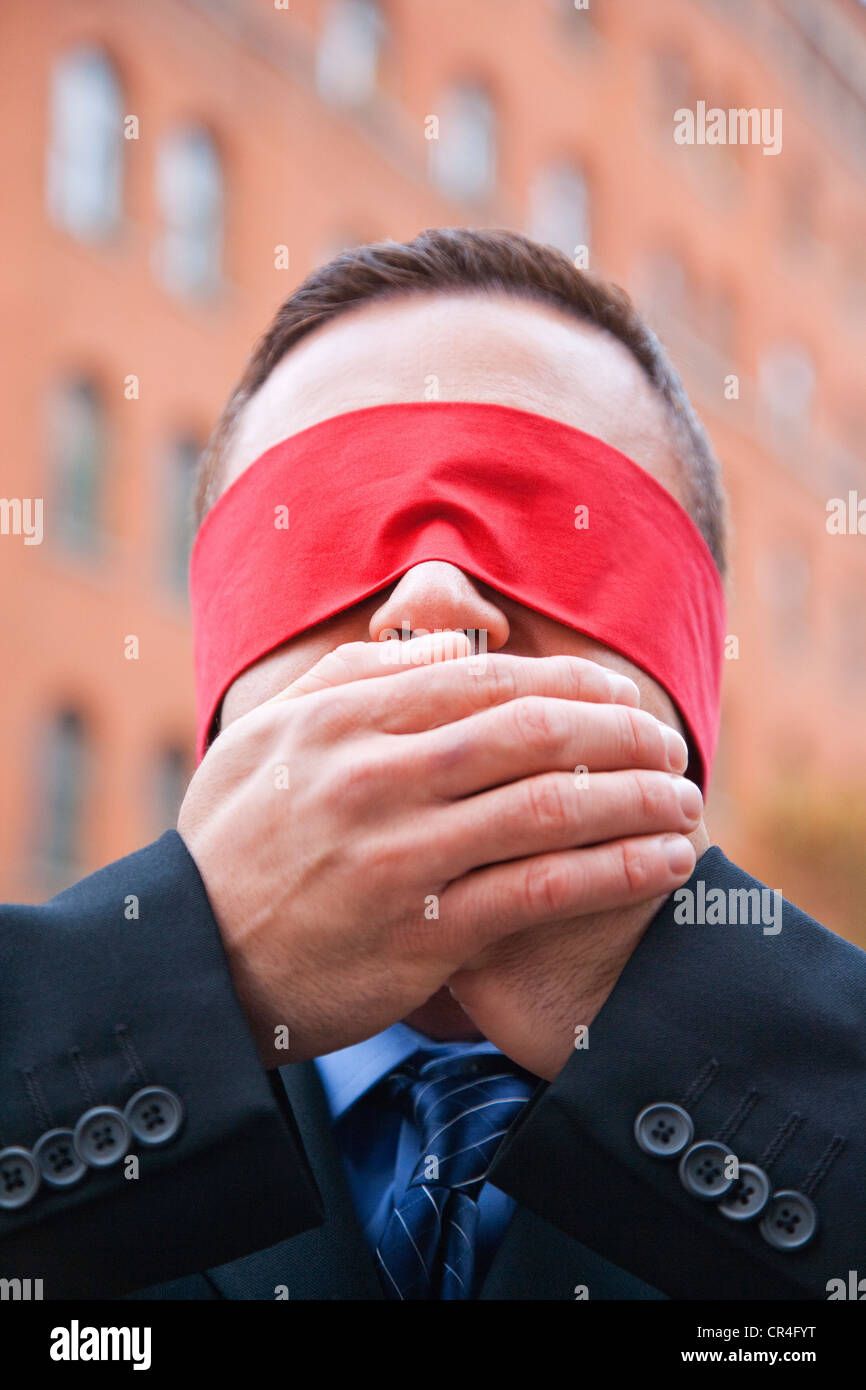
point(462, 1107)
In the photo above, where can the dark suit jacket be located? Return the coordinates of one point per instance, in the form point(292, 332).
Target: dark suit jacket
point(757, 1035)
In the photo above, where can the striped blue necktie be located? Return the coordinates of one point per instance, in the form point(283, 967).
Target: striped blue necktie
point(462, 1107)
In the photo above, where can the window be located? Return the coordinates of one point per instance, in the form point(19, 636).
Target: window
point(350, 46)
point(85, 157)
point(559, 209)
point(786, 385)
point(172, 773)
point(182, 465)
point(63, 757)
point(463, 159)
point(189, 190)
point(78, 449)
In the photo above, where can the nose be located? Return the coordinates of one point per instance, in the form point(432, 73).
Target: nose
point(437, 595)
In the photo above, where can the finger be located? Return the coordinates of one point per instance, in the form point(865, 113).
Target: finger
point(536, 734)
point(493, 902)
point(357, 661)
point(558, 811)
point(444, 691)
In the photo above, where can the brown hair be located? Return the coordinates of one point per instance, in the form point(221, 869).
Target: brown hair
point(459, 258)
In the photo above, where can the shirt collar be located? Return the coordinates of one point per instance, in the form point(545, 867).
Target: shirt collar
point(349, 1074)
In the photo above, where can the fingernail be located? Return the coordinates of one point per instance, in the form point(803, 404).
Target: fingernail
point(690, 798)
point(679, 854)
point(677, 750)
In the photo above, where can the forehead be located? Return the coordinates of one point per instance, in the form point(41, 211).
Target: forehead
point(461, 347)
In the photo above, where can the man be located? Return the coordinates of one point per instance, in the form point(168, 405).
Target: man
point(425, 998)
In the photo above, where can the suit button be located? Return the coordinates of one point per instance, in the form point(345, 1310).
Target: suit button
point(789, 1221)
point(663, 1129)
point(59, 1164)
point(101, 1136)
point(702, 1170)
point(154, 1115)
point(19, 1177)
point(748, 1196)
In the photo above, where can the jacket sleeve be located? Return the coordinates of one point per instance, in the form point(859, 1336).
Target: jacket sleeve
point(744, 1029)
point(141, 1136)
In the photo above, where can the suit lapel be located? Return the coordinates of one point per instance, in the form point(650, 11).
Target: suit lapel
point(332, 1260)
point(537, 1261)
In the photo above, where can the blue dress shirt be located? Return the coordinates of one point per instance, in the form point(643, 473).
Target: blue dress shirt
point(380, 1146)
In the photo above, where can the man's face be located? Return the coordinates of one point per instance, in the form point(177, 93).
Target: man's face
point(476, 347)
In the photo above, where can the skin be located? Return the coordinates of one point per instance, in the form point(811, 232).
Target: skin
point(529, 980)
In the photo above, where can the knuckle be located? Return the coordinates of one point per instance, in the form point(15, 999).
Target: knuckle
point(585, 676)
point(637, 869)
point(357, 778)
point(376, 860)
point(653, 797)
point(330, 713)
point(335, 669)
point(545, 887)
point(442, 750)
point(343, 660)
point(500, 676)
point(533, 721)
point(546, 802)
point(631, 728)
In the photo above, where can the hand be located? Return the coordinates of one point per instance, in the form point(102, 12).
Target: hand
point(333, 822)
point(535, 993)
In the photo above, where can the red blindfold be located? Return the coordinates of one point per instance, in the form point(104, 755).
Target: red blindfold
point(542, 512)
